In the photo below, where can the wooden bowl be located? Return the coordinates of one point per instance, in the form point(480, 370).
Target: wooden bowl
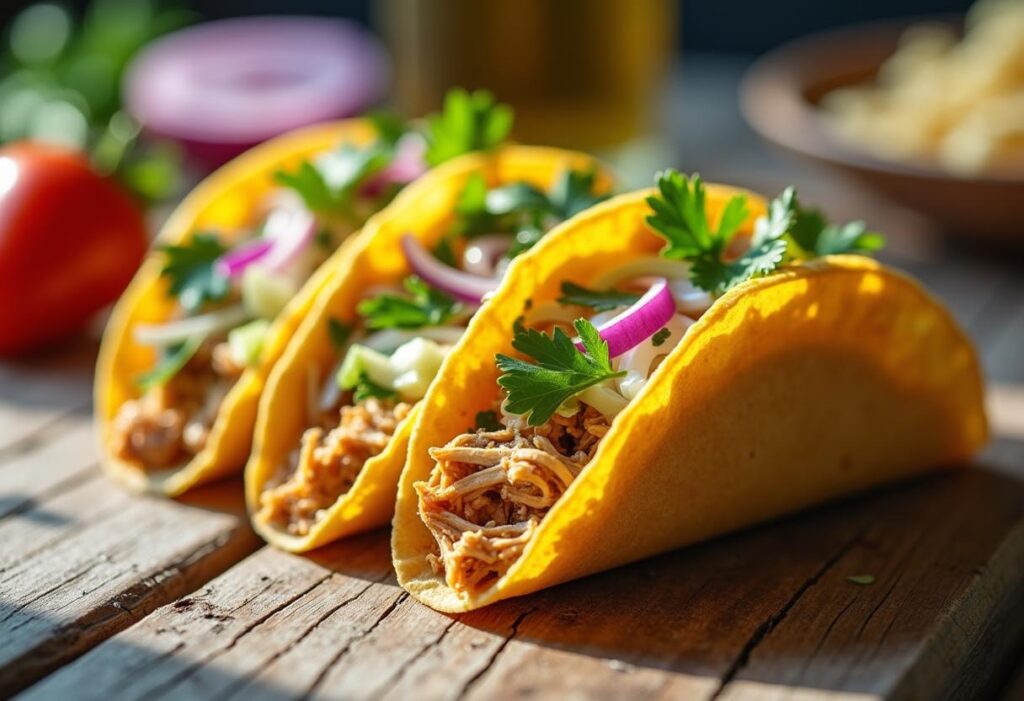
point(779, 96)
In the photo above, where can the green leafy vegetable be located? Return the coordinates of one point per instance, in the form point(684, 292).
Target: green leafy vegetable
point(330, 185)
point(679, 215)
point(172, 360)
point(389, 126)
point(559, 372)
point(488, 421)
point(598, 300)
point(813, 235)
point(574, 192)
point(660, 337)
point(192, 272)
point(862, 579)
point(424, 306)
point(339, 332)
point(469, 122)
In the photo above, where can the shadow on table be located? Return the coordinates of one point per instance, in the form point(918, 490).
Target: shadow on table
point(776, 605)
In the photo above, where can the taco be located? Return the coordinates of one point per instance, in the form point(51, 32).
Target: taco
point(189, 346)
point(670, 366)
point(334, 421)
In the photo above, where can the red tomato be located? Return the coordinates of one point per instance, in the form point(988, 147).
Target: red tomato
point(70, 241)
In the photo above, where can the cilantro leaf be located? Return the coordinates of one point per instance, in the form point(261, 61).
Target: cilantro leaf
point(680, 216)
point(598, 300)
point(815, 236)
point(574, 192)
point(191, 269)
point(424, 306)
point(172, 360)
point(513, 198)
point(660, 337)
point(488, 421)
point(560, 372)
point(330, 184)
point(389, 126)
point(469, 122)
point(367, 388)
point(339, 332)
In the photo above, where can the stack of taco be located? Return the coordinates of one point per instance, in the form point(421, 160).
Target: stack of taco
point(536, 381)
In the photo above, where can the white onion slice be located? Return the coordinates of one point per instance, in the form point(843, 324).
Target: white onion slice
point(638, 361)
point(292, 231)
point(483, 253)
point(203, 326)
point(461, 285)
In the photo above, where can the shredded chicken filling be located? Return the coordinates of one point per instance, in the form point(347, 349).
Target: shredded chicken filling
point(170, 423)
point(489, 490)
point(327, 464)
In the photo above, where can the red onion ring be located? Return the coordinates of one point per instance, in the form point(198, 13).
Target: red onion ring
point(460, 285)
point(224, 86)
point(642, 320)
point(482, 254)
point(233, 263)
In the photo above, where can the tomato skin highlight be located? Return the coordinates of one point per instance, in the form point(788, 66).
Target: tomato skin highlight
point(70, 242)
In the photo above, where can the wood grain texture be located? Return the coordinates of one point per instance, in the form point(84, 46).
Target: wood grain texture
point(768, 610)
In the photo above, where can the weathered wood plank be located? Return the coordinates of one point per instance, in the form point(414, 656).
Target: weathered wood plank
point(84, 560)
point(771, 606)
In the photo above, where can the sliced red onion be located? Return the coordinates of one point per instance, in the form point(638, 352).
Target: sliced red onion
point(461, 285)
point(641, 321)
point(291, 231)
point(234, 262)
point(224, 86)
point(483, 253)
point(408, 164)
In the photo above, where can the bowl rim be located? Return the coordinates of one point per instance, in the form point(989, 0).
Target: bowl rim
point(772, 98)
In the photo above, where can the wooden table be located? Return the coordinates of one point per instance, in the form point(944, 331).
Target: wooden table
point(109, 596)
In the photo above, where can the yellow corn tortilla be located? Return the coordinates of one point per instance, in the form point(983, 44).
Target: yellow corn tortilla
point(823, 380)
point(224, 202)
point(425, 209)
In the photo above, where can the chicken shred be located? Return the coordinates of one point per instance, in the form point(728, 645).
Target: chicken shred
point(328, 463)
point(489, 491)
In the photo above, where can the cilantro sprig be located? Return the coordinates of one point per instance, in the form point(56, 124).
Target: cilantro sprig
point(559, 371)
point(423, 306)
point(191, 270)
point(470, 121)
point(813, 235)
point(172, 360)
point(330, 184)
point(598, 300)
point(366, 388)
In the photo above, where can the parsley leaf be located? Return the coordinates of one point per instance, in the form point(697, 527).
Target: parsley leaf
point(425, 306)
point(469, 122)
point(330, 185)
point(597, 300)
point(191, 269)
point(680, 216)
point(488, 421)
point(367, 388)
point(660, 337)
point(814, 236)
point(560, 372)
point(172, 360)
point(339, 332)
point(574, 192)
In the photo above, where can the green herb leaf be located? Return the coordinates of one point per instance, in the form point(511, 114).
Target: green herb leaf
point(424, 306)
point(367, 388)
point(514, 198)
point(598, 300)
point(172, 360)
point(488, 421)
point(330, 185)
point(574, 192)
point(814, 236)
point(339, 332)
point(192, 272)
point(660, 337)
point(680, 216)
point(389, 126)
point(469, 122)
point(559, 372)
point(862, 579)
